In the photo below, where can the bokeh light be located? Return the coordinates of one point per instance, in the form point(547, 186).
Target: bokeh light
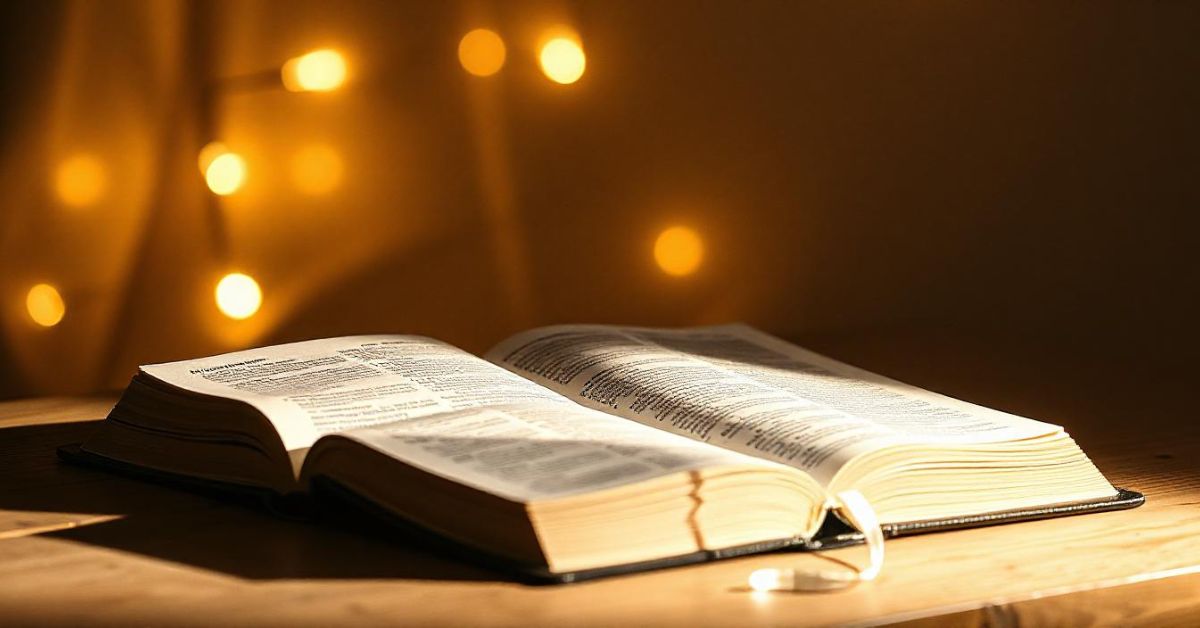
point(679, 251)
point(238, 296)
point(562, 60)
point(481, 52)
point(317, 169)
point(209, 153)
point(317, 71)
point(765, 579)
point(79, 181)
point(45, 305)
point(226, 173)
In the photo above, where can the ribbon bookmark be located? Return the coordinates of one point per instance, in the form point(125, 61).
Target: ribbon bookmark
point(855, 509)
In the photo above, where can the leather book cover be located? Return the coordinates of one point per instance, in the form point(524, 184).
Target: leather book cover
point(329, 497)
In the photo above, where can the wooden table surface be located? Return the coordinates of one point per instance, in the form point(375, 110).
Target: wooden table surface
point(79, 546)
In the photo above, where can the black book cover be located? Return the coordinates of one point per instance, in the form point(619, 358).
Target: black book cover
point(329, 495)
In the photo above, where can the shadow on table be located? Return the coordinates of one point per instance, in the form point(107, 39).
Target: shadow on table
point(179, 526)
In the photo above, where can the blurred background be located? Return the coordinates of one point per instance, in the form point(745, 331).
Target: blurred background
point(186, 178)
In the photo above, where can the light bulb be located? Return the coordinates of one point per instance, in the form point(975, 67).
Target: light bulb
point(209, 153)
point(318, 71)
point(678, 251)
point(45, 305)
point(481, 52)
point(225, 174)
point(79, 181)
point(562, 60)
point(238, 296)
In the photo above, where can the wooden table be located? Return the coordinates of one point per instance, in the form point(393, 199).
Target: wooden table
point(79, 546)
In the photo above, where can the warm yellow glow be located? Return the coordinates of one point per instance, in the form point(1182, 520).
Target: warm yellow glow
point(481, 52)
point(317, 71)
point(562, 60)
point(765, 579)
point(679, 251)
point(79, 181)
point(226, 174)
point(317, 169)
point(238, 296)
point(209, 153)
point(45, 305)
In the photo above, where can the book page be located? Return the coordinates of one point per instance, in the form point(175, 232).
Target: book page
point(308, 389)
point(742, 389)
point(535, 451)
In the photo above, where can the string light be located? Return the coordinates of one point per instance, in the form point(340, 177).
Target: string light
point(226, 173)
point(79, 181)
point(45, 305)
point(562, 60)
point(679, 251)
point(209, 153)
point(317, 169)
point(481, 52)
point(238, 296)
point(318, 71)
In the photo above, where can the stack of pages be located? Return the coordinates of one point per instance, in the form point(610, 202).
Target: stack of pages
point(574, 451)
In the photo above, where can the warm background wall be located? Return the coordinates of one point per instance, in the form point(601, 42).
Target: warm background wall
point(1013, 169)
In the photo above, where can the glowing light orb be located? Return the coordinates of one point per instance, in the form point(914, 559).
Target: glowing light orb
point(209, 154)
point(317, 71)
point(562, 60)
point(45, 305)
point(481, 52)
point(238, 296)
point(225, 174)
point(79, 181)
point(317, 169)
point(678, 251)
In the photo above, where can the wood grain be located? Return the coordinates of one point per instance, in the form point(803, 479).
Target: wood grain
point(84, 547)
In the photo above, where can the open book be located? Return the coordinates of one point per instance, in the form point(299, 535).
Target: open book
point(576, 450)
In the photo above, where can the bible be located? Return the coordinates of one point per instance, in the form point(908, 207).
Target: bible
point(584, 450)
